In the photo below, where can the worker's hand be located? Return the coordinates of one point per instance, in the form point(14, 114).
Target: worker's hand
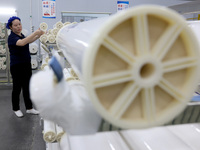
point(39, 32)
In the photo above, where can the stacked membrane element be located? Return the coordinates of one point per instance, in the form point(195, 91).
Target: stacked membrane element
point(3, 54)
point(50, 34)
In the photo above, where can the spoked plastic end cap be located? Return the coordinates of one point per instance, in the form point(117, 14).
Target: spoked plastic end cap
point(142, 67)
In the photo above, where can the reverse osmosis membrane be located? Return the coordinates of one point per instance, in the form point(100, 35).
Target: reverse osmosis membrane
point(49, 132)
point(44, 38)
point(43, 26)
point(33, 48)
point(140, 67)
point(34, 63)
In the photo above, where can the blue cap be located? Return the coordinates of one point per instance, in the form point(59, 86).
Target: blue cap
point(10, 21)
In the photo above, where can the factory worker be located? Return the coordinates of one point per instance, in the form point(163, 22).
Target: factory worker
point(20, 64)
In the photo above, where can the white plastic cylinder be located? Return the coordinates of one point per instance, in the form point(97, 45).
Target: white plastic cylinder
point(34, 63)
point(55, 31)
point(58, 25)
point(43, 26)
point(1, 64)
point(3, 51)
point(59, 133)
point(140, 66)
point(33, 48)
point(3, 26)
point(66, 23)
point(44, 64)
point(51, 38)
point(2, 35)
point(1, 47)
point(44, 38)
point(3, 67)
point(3, 59)
point(49, 133)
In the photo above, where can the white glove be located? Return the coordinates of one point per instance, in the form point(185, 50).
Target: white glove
point(63, 103)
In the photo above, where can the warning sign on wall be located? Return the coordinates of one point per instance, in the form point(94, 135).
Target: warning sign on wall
point(49, 8)
point(121, 5)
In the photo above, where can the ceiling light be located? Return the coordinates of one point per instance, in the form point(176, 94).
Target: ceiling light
point(7, 11)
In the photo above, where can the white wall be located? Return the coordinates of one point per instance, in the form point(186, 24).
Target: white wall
point(23, 8)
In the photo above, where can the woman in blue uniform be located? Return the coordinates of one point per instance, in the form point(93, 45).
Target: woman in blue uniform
point(20, 64)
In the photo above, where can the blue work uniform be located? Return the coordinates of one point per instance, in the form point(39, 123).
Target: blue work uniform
point(20, 68)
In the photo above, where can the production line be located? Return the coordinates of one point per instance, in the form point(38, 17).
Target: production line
point(122, 81)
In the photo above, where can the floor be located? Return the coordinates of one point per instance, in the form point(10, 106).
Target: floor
point(26, 133)
point(18, 133)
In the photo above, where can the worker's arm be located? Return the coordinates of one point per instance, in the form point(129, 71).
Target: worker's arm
point(31, 38)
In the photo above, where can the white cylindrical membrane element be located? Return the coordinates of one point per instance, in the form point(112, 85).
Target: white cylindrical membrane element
point(55, 31)
point(1, 47)
point(33, 48)
point(3, 59)
point(43, 26)
point(2, 26)
point(44, 48)
point(73, 73)
point(59, 132)
point(3, 51)
point(51, 38)
point(50, 31)
point(44, 38)
point(140, 66)
point(47, 59)
point(34, 63)
point(59, 25)
point(3, 67)
point(1, 62)
point(49, 132)
point(66, 23)
point(2, 35)
point(52, 146)
point(67, 75)
point(44, 64)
